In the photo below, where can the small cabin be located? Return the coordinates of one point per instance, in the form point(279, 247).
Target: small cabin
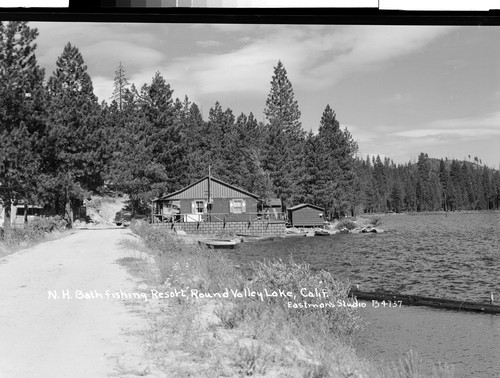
point(206, 200)
point(306, 215)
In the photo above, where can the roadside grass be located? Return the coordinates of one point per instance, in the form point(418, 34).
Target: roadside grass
point(36, 231)
point(250, 336)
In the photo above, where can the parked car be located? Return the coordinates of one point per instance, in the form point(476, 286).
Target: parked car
point(124, 217)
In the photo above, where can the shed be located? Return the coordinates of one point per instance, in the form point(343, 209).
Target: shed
point(306, 215)
point(207, 200)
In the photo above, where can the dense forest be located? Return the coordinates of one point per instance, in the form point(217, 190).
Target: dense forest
point(58, 145)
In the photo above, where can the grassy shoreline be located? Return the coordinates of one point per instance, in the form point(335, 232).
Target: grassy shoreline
point(224, 330)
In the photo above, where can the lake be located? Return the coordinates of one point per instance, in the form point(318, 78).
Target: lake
point(454, 256)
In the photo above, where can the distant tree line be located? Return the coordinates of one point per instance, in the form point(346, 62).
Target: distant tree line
point(58, 145)
point(428, 185)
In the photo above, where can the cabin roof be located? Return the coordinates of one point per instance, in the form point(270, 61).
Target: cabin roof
point(300, 206)
point(200, 191)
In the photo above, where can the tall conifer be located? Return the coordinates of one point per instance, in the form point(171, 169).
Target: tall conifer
point(120, 86)
point(285, 138)
point(73, 151)
point(21, 113)
point(335, 189)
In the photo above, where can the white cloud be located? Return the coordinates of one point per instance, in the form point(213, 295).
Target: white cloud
point(103, 88)
point(468, 133)
point(132, 56)
point(396, 99)
point(316, 57)
point(208, 44)
point(454, 138)
point(357, 48)
point(491, 121)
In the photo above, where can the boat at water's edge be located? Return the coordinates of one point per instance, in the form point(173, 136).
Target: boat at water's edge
point(219, 243)
point(250, 238)
point(322, 232)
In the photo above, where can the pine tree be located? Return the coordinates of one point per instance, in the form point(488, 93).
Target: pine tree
point(156, 104)
point(423, 192)
point(73, 161)
point(285, 135)
point(281, 105)
point(380, 179)
point(21, 113)
point(336, 150)
point(444, 178)
point(311, 180)
point(194, 139)
point(487, 187)
point(279, 162)
point(456, 198)
point(120, 86)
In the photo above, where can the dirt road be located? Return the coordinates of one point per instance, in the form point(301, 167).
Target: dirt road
point(63, 311)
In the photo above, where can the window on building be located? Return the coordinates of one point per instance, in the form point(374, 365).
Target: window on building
point(200, 205)
point(238, 206)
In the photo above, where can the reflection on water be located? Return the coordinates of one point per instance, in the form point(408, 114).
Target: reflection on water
point(454, 255)
point(470, 342)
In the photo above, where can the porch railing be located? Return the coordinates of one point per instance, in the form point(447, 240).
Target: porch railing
point(220, 217)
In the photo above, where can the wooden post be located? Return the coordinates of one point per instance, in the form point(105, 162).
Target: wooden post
point(209, 202)
point(8, 214)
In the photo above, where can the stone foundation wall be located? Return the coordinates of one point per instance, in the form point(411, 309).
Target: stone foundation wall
point(258, 228)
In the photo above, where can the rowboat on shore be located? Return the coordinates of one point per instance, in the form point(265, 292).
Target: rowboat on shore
point(220, 243)
point(292, 231)
point(322, 232)
point(249, 238)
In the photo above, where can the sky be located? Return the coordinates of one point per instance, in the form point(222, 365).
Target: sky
point(399, 90)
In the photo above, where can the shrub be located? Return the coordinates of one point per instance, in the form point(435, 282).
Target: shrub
point(31, 232)
point(375, 220)
point(182, 265)
point(346, 223)
point(229, 315)
point(46, 224)
point(340, 321)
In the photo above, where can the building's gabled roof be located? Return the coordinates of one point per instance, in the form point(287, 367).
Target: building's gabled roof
point(296, 207)
point(199, 189)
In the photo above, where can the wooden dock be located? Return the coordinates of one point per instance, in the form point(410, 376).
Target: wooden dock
point(417, 300)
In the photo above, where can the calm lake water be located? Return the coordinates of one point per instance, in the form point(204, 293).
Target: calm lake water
point(454, 255)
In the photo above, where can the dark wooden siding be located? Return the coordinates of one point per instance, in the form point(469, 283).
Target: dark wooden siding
point(305, 217)
point(220, 207)
point(186, 206)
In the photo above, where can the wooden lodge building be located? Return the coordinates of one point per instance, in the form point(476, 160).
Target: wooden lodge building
point(210, 205)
